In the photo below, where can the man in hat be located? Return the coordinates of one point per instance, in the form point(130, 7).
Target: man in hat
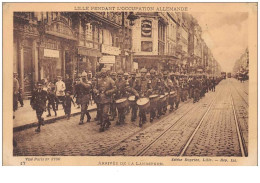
point(60, 88)
point(15, 93)
point(38, 103)
point(105, 88)
point(84, 88)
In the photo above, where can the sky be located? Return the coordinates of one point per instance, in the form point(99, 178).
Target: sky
point(226, 34)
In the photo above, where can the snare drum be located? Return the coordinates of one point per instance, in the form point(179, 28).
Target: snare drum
point(131, 100)
point(143, 103)
point(121, 103)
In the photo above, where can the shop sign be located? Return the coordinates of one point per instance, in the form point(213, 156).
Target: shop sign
point(110, 50)
point(146, 28)
point(135, 65)
point(107, 59)
point(147, 46)
point(51, 53)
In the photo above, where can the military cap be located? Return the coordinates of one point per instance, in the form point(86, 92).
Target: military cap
point(126, 74)
point(171, 73)
point(148, 74)
point(138, 75)
point(103, 70)
point(133, 73)
point(113, 73)
point(84, 74)
point(120, 72)
point(152, 71)
point(165, 73)
point(143, 70)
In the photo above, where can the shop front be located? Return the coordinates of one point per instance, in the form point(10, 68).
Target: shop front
point(87, 60)
point(111, 59)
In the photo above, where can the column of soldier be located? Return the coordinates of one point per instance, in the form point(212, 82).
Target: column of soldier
point(116, 94)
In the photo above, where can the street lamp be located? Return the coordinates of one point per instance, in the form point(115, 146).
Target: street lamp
point(132, 17)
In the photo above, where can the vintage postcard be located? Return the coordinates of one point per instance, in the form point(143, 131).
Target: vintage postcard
point(130, 84)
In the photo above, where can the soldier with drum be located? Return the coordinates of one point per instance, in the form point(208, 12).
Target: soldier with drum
point(153, 94)
point(121, 95)
point(105, 88)
point(133, 83)
point(143, 102)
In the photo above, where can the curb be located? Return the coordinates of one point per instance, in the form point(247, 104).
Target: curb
point(48, 121)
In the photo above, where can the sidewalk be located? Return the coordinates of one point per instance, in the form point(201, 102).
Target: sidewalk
point(25, 117)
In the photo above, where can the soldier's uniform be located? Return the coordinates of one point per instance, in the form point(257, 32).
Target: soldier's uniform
point(38, 103)
point(167, 84)
point(113, 111)
point(84, 97)
point(122, 90)
point(177, 87)
point(172, 99)
point(153, 90)
point(133, 83)
point(196, 85)
point(105, 88)
point(142, 90)
point(189, 83)
point(213, 81)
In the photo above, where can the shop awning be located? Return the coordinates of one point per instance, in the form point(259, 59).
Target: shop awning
point(155, 57)
point(89, 52)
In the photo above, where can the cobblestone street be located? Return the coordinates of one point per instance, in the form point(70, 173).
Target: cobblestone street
point(207, 128)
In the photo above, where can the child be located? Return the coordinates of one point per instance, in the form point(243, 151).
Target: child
point(67, 104)
point(51, 101)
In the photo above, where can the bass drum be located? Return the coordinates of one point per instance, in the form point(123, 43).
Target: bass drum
point(143, 103)
point(121, 103)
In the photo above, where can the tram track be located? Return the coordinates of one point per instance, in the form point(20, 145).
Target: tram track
point(240, 94)
point(241, 140)
point(142, 129)
point(185, 146)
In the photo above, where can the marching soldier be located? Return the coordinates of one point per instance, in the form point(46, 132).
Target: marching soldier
point(172, 97)
point(176, 85)
point(38, 103)
point(196, 86)
point(84, 97)
point(142, 93)
point(167, 84)
point(105, 88)
point(122, 89)
point(133, 83)
point(213, 81)
point(113, 111)
point(153, 90)
point(189, 83)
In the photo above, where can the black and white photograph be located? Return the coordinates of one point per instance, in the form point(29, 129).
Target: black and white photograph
point(104, 81)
